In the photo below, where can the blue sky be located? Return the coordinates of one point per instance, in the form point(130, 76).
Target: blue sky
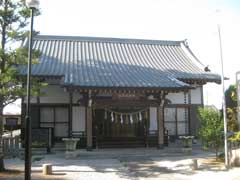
point(195, 20)
point(233, 4)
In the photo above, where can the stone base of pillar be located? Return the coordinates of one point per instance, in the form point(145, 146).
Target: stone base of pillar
point(160, 146)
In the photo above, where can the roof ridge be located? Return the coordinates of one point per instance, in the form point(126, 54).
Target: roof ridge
point(109, 39)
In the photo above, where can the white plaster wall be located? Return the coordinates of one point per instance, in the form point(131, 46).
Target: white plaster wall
point(177, 98)
point(196, 95)
point(54, 94)
point(153, 118)
point(78, 121)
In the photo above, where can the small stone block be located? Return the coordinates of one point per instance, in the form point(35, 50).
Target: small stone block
point(47, 169)
point(194, 164)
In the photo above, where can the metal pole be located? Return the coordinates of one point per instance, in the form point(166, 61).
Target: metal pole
point(223, 102)
point(28, 137)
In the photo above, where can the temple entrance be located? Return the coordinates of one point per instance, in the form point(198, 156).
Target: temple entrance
point(120, 127)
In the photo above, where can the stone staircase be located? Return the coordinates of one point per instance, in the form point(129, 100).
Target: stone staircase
point(58, 147)
point(121, 142)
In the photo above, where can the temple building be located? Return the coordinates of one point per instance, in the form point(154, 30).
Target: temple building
point(114, 92)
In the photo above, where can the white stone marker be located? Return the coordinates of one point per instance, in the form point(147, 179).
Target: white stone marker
point(47, 169)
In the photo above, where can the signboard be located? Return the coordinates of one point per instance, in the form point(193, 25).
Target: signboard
point(238, 96)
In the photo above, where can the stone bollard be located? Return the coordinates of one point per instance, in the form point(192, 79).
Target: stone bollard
point(194, 164)
point(47, 169)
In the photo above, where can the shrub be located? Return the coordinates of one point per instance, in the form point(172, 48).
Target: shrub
point(211, 128)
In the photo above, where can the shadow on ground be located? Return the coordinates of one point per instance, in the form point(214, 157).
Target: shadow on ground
point(149, 168)
point(13, 175)
point(128, 167)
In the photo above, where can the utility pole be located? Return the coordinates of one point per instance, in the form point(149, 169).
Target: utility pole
point(223, 102)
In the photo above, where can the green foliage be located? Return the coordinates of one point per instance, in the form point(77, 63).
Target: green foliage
point(236, 137)
point(211, 129)
point(231, 105)
point(232, 119)
point(231, 96)
point(14, 17)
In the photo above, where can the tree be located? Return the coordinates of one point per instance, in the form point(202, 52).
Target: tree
point(211, 128)
point(231, 105)
point(231, 96)
point(14, 17)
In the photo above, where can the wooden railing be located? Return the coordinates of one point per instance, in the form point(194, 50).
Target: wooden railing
point(41, 138)
point(11, 146)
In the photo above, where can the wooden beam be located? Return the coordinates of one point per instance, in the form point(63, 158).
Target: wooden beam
point(125, 103)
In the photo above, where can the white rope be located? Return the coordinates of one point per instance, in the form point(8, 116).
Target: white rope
point(127, 113)
point(140, 116)
point(112, 117)
point(121, 117)
point(137, 114)
point(131, 118)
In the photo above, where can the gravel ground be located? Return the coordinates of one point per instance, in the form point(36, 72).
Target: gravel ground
point(126, 167)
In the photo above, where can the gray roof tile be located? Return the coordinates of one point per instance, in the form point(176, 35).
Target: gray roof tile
point(112, 62)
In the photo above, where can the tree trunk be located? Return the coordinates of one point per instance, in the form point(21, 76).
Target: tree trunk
point(3, 42)
point(216, 153)
point(1, 142)
point(2, 66)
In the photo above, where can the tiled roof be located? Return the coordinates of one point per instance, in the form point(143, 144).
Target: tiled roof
point(112, 62)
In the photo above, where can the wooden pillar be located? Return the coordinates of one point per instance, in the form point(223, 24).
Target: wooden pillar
point(202, 100)
point(189, 112)
point(160, 120)
point(89, 128)
point(39, 111)
point(70, 114)
point(89, 124)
